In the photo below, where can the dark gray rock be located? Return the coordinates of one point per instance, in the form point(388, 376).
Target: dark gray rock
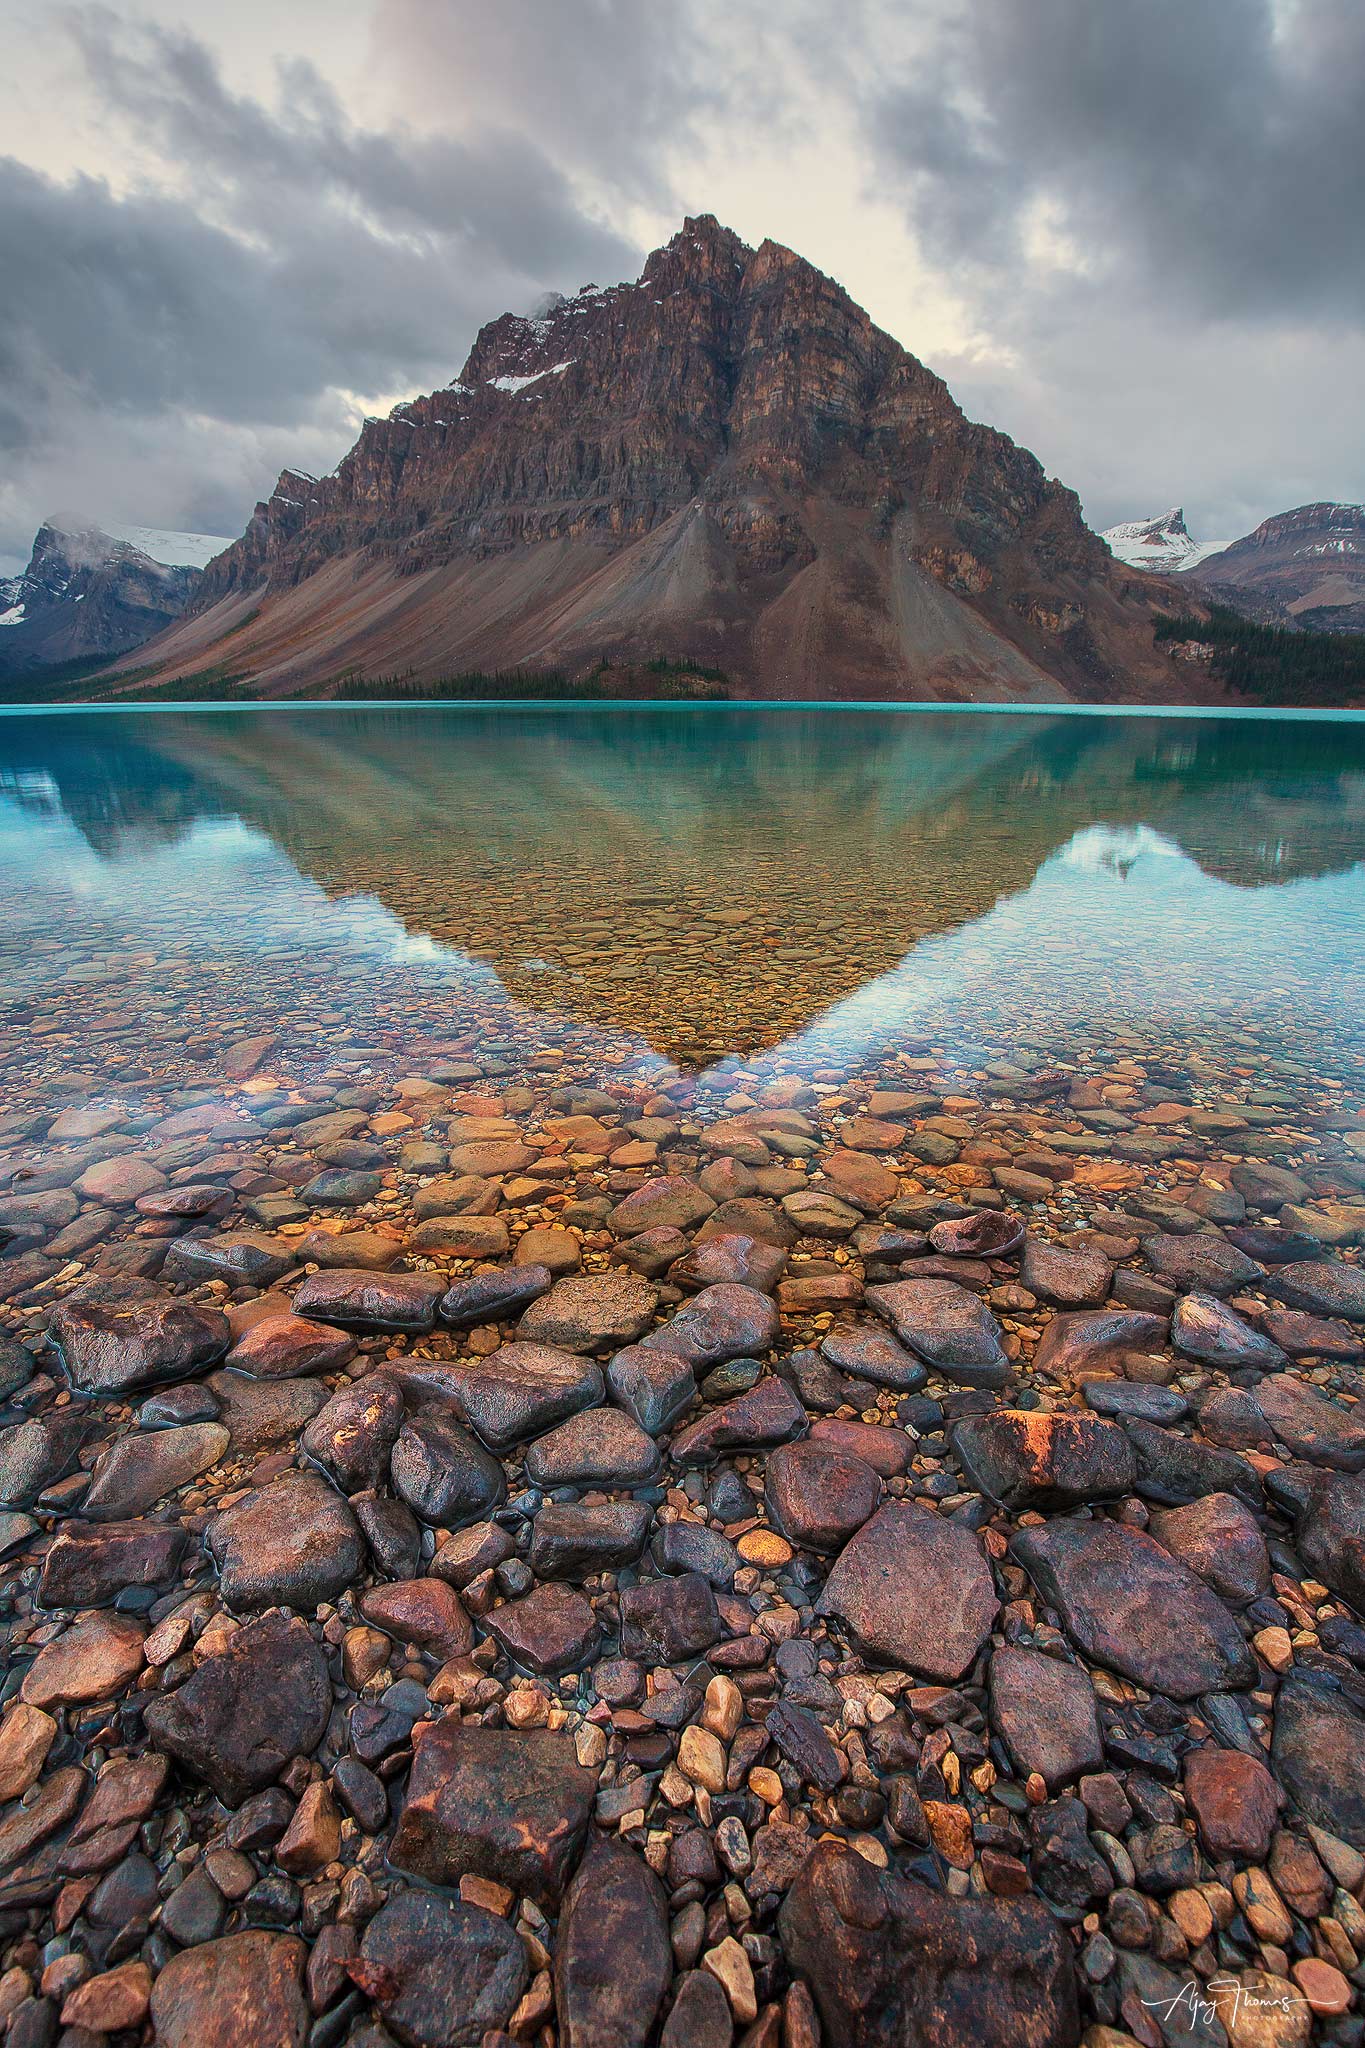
point(522, 1390)
point(494, 1296)
point(1046, 1712)
point(572, 1542)
point(1205, 1327)
point(947, 1327)
point(655, 1387)
point(870, 1354)
point(445, 1477)
point(88, 1566)
point(1027, 1458)
point(894, 1964)
point(666, 1620)
point(503, 1803)
point(252, 1258)
point(354, 1434)
point(1200, 1263)
point(1319, 1754)
point(355, 1298)
point(1324, 1287)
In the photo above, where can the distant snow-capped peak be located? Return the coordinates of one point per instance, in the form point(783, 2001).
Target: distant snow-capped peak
point(1164, 542)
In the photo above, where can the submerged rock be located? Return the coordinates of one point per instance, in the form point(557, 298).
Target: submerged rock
point(358, 1299)
point(522, 1390)
point(1133, 1607)
point(948, 1328)
point(893, 1964)
point(915, 1590)
point(1323, 1287)
point(109, 1348)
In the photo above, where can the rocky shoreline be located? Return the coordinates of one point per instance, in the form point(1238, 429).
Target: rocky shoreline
point(518, 1547)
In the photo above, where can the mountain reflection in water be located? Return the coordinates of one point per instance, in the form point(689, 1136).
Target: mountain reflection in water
point(711, 881)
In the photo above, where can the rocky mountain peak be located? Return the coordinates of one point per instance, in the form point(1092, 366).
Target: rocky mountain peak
point(1162, 543)
point(655, 469)
point(702, 253)
point(1304, 567)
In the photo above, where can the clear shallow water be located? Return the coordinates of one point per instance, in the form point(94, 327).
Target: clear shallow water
point(722, 890)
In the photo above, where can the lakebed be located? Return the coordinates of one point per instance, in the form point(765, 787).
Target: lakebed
point(766, 1286)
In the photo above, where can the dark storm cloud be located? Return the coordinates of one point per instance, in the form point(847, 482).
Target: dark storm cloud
point(296, 258)
point(1214, 153)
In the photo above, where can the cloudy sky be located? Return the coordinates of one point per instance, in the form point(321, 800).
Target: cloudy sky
point(1130, 232)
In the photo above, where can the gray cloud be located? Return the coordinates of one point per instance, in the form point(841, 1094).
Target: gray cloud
point(1213, 153)
point(1153, 214)
point(609, 87)
point(317, 260)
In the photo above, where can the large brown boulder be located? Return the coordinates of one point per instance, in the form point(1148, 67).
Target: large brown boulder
point(109, 1347)
point(245, 1991)
point(914, 1589)
point(246, 1712)
point(503, 1803)
point(290, 1544)
point(893, 1964)
point(1027, 1458)
point(1130, 1605)
point(945, 1326)
point(613, 1962)
point(441, 1973)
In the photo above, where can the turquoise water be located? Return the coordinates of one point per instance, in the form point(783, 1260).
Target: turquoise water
point(722, 889)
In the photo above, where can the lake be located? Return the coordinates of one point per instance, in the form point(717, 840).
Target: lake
point(719, 892)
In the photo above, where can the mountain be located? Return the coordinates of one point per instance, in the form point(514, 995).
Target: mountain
point(1306, 567)
point(726, 463)
point(90, 591)
point(1164, 544)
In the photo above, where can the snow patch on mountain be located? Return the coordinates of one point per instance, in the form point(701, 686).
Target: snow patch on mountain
point(521, 383)
point(1162, 543)
point(173, 550)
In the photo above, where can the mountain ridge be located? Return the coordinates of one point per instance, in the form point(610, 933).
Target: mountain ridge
point(1305, 566)
point(725, 461)
point(91, 591)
